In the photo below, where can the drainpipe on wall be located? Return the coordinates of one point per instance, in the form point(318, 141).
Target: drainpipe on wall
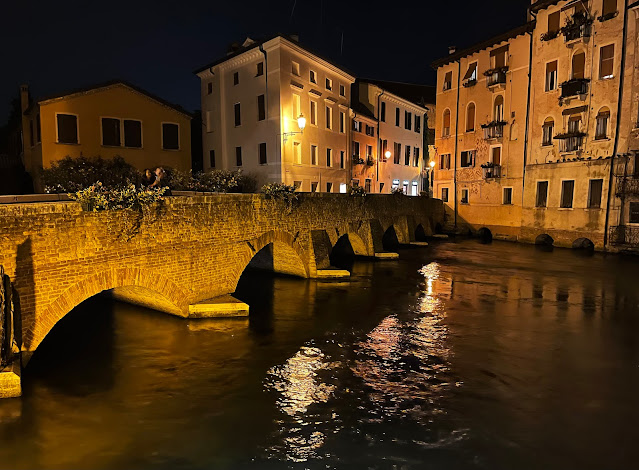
point(530, 63)
point(618, 124)
point(456, 139)
point(379, 137)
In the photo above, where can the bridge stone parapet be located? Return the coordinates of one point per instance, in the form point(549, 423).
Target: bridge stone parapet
point(187, 251)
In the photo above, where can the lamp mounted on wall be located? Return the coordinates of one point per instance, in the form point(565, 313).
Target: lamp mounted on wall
point(301, 123)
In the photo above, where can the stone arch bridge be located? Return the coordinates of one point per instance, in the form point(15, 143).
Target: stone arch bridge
point(186, 256)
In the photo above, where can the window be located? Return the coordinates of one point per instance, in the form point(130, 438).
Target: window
point(499, 109)
point(578, 65)
point(132, 133)
point(408, 120)
point(67, 128)
point(295, 68)
point(464, 196)
point(170, 136)
point(508, 196)
point(369, 151)
point(32, 133)
point(238, 114)
point(262, 153)
point(342, 159)
point(314, 186)
point(111, 132)
point(444, 161)
point(383, 112)
point(542, 194)
point(634, 213)
point(370, 130)
point(313, 154)
point(314, 113)
point(444, 194)
point(236, 78)
point(470, 77)
point(329, 118)
point(261, 108)
point(384, 149)
point(609, 7)
point(448, 81)
point(418, 124)
point(260, 69)
point(606, 61)
point(297, 106)
point(467, 158)
point(329, 157)
point(397, 117)
point(603, 117)
point(342, 122)
point(495, 154)
point(397, 153)
point(209, 88)
point(342, 90)
point(381, 188)
point(499, 57)
point(38, 129)
point(567, 190)
point(446, 125)
point(297, 152)
point(547, 131)
point(212, 158)
point(407, 156)
point(553, 22)
point(574, 124)
point(367, 185)
point(470, 117)
point(312, 76)
point(238, 156)
point(357, 126)
point(297, 185)
point(594, 194)
point(416, 157)
point(355, 149)
point(551, 76)
point(329, 84)
point(329, 187)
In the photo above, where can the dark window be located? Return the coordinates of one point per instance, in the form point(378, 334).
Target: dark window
point(579, 65)
point(132, 133)
point(567, 190)
point(111, 132)
point(341, 159)
point(408, 120)
point(329, 187)
point(342, 122)
point(542, 194)
point(170, 136)
point(594, 194)
point(313, 113)
point(467, 158)
point(367, 185)
point(418, 124)
point(31, 133)
point(609, 7)
point(444, 161)
point(261, 108)
point(634, 213)
point(209, 88)
point(553, 22)
point(329, 84)
point(38, 129)
point(314, 185)
point(312, 76)
point(397, 153)
point(448, 81)
point(260, 69)
point(551, 76)
point(262, 153)
point(383, 112)
point(238, 114)
point(329, 157)
point(67, 128)
point(464, 196)
point(297, 185)
point(508, 196)
point(407, 156)
point(236, 78)
point(397, 117)
point(342, 90)
point(445, 194)
point(238, 156)
point(416, 157)
point(212, 158)
point(606, 61)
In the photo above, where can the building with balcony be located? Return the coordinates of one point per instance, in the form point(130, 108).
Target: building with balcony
point(252, 102)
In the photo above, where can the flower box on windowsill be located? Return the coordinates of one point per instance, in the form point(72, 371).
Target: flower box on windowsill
point(470, 83)
point(549, 35)
point(608, 16)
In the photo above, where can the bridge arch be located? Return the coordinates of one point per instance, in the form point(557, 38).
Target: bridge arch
point(139, 286)
point(390, 240)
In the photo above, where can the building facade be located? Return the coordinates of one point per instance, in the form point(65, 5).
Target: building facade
point(252, 101)
point(108, 120)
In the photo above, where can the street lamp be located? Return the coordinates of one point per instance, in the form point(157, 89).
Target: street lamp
point(301, 123)
point(432, 174)
point(387, 154)
point(432, 164)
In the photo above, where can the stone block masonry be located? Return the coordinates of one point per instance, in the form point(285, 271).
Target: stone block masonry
point(188, 251)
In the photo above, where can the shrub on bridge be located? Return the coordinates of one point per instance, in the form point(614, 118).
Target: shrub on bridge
point(356, 191)
point(397, 191)
point(215, 181)
point(97, 197)
point(282, 192)
point(70, 175)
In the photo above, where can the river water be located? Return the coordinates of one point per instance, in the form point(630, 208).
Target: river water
point(459, 355)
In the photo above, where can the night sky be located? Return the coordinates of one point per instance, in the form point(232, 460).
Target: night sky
point(59, 45)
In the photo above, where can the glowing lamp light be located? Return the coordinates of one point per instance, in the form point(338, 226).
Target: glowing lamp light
point(387, 154)
point(301, 122)
point(432, 164)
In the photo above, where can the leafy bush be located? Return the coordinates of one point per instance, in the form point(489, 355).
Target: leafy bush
point(97, 197)
point(75, 174)
point(281, 191)
point(399, 191)
point(356, 191)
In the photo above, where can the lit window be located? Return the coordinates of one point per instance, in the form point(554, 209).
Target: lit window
point(551, 76)
point(606, 61)
point(547, 131)
point(603, 116)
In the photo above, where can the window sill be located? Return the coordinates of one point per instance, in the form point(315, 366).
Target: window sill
point(565, 208)
point(68, 143)
point(132, 148)
point(541, 207)
point(601, 139)
point(471, 131)
point(592, 209)
point(171, 150)
point(547, 145)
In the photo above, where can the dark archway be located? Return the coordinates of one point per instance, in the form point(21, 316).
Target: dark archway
point(278, 257)
point(485, 235)
point(390, 242)
point(342, 255)
point(584, 244)
point(420, 233)
point(544, 240)
point(439, 228)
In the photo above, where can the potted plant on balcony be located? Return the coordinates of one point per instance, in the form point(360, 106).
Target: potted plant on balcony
point(488, 169)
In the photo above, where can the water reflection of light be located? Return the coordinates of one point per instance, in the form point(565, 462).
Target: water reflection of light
point(437, 287)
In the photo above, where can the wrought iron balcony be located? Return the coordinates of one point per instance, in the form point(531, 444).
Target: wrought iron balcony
point(627, 184)
point(490, 170)
point(494, 130)
point(570, 141)
point(496, 76)
point(574, 87)
point(370, 161)
point(577, 27)
point(624, 235)
point(357, 160)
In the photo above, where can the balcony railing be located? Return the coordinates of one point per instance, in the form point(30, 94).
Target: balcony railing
point(570, 141)
point(574, 87)
point(496, 76)
point(490, 170)
point(370, 161)
point(627, 185)
point(624, 235)
point(579, 26)
point(493, 130)
point(357, 160)
point(470, 82)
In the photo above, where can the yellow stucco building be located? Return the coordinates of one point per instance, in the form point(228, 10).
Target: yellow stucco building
point(108, 120)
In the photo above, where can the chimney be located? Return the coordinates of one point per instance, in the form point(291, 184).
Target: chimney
point(295, 37)
point(452, 50)
point(24, 97)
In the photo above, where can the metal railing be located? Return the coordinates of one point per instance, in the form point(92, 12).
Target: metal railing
point(627, 184)
point(491, 171)
point(493, 130)
point(570, 143)
point(496, 76)
point(624, 235)
point(574, 87)
point(578, 26)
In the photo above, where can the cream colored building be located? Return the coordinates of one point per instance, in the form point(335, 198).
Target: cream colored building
point(251, 103)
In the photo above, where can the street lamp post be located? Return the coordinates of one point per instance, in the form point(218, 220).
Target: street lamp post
point(432, 175)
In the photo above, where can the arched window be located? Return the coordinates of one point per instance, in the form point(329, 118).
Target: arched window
point(547, 131)
point(603, 116)
point(446, 126)
point(499, 108)
point(579, 65)
point(470, 117)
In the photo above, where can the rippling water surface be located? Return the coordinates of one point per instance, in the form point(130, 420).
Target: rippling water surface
point(459, 355)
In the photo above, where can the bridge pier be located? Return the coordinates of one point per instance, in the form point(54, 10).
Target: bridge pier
point(219, 307)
